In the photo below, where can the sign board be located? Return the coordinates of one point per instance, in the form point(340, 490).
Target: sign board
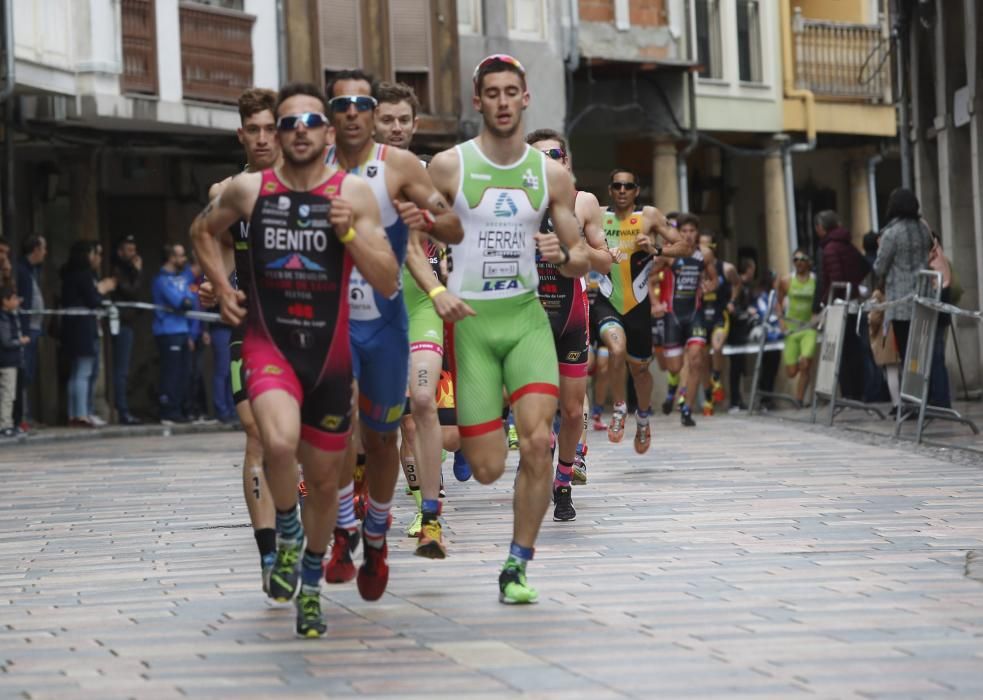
point(833, 327)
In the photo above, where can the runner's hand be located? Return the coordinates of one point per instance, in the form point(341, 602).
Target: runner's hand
point(617, 256)
point(549, 248)
point(644, 243)
point(232, 306)
point(206, 294)
point(410, 214)
point(450, 308)
point(342, 216)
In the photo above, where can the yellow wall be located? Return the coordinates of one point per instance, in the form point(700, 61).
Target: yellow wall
point(836, 10)
point(843, 118)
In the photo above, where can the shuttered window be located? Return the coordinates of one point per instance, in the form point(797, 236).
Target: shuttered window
point(411, 46)
point(340, 33)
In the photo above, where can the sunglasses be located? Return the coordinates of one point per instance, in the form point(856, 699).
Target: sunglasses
point(363, 103)
point(497, 58)
point(555, 153)
point(800, 258)
point(310, 120)
point(624, 186)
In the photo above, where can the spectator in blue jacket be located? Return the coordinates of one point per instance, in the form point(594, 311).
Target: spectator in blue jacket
point(171, 332)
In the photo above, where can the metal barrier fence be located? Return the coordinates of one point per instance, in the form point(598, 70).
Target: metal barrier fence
point(110, 311)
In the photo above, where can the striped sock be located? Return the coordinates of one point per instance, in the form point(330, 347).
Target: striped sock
point(346, 508)
point(288, 525)
point(376, 523)
point(519, 556)
point(563, 475)
point(430, 509)
point(310, 568)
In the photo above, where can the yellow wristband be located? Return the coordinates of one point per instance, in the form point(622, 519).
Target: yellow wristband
point(433, 293)
point(349, 235)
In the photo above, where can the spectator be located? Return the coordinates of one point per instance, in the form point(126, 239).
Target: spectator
point(6, 267)
point(740, 330)
point(875, 387)
point(12, 343)
point(902, 251)
point(841, 262)
point(199, 338)
point(870, 249)
point(128, 271)
point(772, 328)
point(939, 393)
point(171, 332)
point(800, 337)
point(33, 253)
point(80, 334)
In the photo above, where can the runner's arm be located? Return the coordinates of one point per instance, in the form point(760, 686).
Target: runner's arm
point(736, 283)
point(589, 211)
point(421, 189)
point(356, 211)
point(417, 263)
point(564, 248)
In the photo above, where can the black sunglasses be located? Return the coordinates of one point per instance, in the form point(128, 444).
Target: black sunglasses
point(624, 186)
point(363, 103)
point(800, 258)
point(555, 153)
point(310, 120)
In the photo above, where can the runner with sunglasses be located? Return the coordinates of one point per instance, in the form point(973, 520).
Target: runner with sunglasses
point(622, 310)
point(308, 226)
point(565, 302)
point(502, 189)
point(258, 138)
point(379, 328)
point(796, 321)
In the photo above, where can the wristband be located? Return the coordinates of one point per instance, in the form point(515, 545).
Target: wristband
point(349, 235)
point(436, 291)
point(428, 221)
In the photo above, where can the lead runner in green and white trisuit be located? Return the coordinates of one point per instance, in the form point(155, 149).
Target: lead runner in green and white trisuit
point(501, 189)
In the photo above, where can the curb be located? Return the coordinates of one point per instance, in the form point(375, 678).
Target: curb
point(60, 435)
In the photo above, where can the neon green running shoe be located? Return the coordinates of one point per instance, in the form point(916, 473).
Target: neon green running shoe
point(513, 438)
point(310, 621)
point(414, 529)
point(513, 589)
point(285, 576)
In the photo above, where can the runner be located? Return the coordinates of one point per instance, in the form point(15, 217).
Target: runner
point(718, 305)
point(258, 138)
point(379, 329)
point(597, 361)
point(565, 302)
point(622, 309)
point(684, 319)
point(296, 350)
point(800, 340)
point(502, 189)
point(423, 436)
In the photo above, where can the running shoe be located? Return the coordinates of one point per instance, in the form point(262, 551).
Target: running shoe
point(708, 408)
point(718, 391)
point(578, 474)
point(266, 570)
point(563, 509)
point(667, 405)
point(512, 587)
point(598, 423)
point(373, 574)
point(616, 429)
point(462, 470)
point(310, 621)
point(285, 576)
point(414, 529)
point(643, 438)
point(431, 544)
point(441, 493)
point(513, 438)
point(686, 418)
point(340, 568)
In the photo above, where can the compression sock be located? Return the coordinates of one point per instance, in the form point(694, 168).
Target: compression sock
point(310, 568)
point(266, 544)
point(346, 508)
point(673, 378)
point(642, 417)
point(519, 556)
point(288, 525)
point(376, 523)
point(430, 508)
point(564, 473)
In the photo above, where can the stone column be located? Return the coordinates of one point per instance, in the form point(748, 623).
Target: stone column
point(665, 186)
point(776, 256)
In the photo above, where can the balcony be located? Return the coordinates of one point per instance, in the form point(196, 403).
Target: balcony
point(842, 61)
point(216, 52)
point(139, 47)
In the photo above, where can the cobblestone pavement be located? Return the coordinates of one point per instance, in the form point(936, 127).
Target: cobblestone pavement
point(756, 559)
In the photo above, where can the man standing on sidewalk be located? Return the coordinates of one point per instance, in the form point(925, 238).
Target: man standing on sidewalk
point(33, 253)
point(171, 331)
point(128, 271)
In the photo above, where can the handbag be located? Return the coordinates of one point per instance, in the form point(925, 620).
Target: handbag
point(884, 347)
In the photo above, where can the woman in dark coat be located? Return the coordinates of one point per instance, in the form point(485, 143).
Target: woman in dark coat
point(80, 334)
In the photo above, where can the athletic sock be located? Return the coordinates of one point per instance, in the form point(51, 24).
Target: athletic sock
point(673, 378)
point(376, 523)
point(346, 508)
point(563, 475)
point(684, 409)
point(417, 495)
point(642, 417)
point(265, 543)
point(519, 556)
point(708, 393)
point(598, 409)
point(429, 509)
point(288, 525)
point(621, 407)
point(310, 568)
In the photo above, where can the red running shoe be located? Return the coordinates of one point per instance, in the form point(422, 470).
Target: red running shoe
point(340, 568)
point(373, 574)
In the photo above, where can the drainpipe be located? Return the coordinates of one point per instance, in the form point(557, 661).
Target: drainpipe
point(899, 32)
point(809, 104)
point(682, 170)
point(281, 40)
point(571, 61)
point(875, 224)
point(8, 118)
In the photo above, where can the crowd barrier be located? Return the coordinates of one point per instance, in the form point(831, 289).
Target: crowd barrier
point(110, 311)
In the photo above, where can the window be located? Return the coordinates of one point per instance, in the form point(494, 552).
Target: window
point(339, 35)
point(410, 32)
point(527, 19)
point(708, 47)
point(749, 41)
point(224, 4)
point(469, 16)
